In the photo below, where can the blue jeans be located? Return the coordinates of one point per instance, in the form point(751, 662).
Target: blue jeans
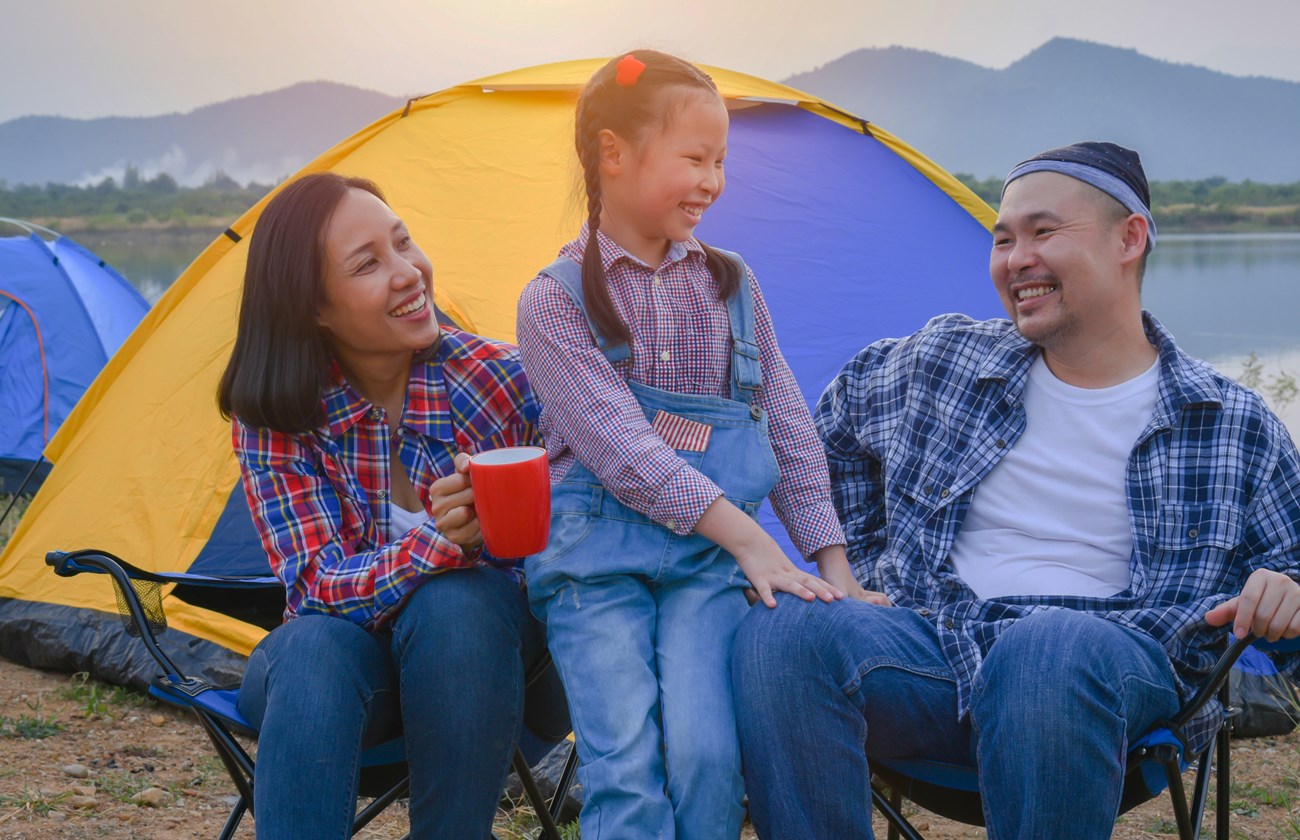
point(450, 676)
point(645, 666)
point(822, 688)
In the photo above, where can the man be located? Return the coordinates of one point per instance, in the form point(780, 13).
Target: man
point(1066, 512)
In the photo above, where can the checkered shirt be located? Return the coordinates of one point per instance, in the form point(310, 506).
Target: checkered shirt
point(681, 342)
point(912, 425)
point(320, 499)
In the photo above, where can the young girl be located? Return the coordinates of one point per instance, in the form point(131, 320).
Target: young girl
point(670, 415)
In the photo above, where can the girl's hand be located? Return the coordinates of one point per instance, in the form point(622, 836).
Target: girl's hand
point(833, 565)
point(451, 501)
point(759, 557)
point(770, 572)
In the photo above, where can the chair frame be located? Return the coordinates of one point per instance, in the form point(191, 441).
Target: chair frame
point(173, 686)
point(892, 782)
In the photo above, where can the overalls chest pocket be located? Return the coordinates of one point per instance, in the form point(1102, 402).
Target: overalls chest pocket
point(1195, 547)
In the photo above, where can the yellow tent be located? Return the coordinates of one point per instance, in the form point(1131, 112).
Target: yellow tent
point(853, 235)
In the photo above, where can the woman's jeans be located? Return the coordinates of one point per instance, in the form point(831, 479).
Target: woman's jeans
point(822, 688)
point(450, 676)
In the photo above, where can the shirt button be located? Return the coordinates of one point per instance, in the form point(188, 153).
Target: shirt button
point(382, 494)
point(665, 356)
point(1002, 444)
point(948, 623)
point(923, 612)
point(671, 525)
point(929, 489)
point(1193, 533)
point(376, 414)
point(657, 280)
point(944, 493)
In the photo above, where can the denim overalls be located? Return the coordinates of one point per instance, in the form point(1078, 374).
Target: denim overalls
point(640, 621)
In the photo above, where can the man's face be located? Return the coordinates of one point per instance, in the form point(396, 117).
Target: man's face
point(1057, 262)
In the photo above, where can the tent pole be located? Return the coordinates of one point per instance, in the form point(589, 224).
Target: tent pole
point(21, 487)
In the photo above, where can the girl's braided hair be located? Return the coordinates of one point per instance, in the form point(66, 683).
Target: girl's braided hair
point(628, 110)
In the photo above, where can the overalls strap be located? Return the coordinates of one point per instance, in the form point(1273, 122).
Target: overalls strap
point(568, 273)
point(746, 369)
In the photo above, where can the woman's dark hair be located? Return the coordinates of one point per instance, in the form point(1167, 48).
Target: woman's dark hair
point(628, 110)
point(280, 363)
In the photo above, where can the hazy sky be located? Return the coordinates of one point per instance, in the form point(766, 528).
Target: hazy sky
point(90, 58)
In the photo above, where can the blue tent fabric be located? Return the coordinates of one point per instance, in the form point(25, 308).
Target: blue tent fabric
point(63, 312)
point(850, 243)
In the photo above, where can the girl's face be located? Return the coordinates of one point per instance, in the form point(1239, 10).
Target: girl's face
point(655, 191)
point(378, 284)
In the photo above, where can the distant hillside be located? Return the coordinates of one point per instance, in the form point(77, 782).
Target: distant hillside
point(254, 138)
point(1187, 122)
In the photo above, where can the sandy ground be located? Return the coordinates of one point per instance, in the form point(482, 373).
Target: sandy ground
point(83, 760)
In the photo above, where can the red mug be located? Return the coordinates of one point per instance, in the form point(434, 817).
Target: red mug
point(512, 499)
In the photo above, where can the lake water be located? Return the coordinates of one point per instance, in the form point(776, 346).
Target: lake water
point(1223, 296)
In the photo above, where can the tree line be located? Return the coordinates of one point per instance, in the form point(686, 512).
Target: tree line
point(132, 202)
point(136, 200)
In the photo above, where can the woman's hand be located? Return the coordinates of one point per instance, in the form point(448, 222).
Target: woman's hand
point(833, 566)
point(760, 558)
point(451, 501)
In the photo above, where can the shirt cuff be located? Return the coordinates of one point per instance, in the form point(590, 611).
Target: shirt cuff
point(814, 527)
point(683, 500)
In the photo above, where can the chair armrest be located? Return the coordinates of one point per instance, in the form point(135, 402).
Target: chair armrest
point(132, 590)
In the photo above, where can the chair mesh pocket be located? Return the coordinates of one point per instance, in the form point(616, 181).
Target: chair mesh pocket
point(149, 594)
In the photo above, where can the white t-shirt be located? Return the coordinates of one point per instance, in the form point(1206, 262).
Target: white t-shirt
point(401, 520)
point(1052, 517)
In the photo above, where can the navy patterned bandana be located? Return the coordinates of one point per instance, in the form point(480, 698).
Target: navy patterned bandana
point(1113, 169)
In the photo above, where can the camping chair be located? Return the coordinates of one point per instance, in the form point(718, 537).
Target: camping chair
point(383, 771)
point(1156, 761)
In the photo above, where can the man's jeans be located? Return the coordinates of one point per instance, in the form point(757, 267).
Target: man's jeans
point(321, 689)
point(1055, 704)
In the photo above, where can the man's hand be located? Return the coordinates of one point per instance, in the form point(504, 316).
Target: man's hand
point(1268, 606)
point(451, 501)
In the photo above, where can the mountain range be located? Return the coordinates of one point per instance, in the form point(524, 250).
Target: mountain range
point(263, 138)
point(1188, 122)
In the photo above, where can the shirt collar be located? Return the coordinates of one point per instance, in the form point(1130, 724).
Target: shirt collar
point(1183, 380)
point(611, 252)
point(427, 411)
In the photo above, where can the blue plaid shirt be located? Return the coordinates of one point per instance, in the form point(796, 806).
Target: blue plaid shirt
point(911, 426)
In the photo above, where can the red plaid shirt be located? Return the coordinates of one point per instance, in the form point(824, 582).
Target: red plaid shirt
point(681, 342)
point(320, 499)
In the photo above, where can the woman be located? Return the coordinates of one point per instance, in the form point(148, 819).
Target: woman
point(351, 409)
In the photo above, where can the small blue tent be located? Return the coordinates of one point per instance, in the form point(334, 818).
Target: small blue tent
point(63, 312)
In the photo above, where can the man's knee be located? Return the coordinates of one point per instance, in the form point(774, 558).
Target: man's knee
point(780, 637)
point(1066, 660)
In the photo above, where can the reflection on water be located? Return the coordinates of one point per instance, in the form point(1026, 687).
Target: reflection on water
point(150, 259)
point(1227, 295)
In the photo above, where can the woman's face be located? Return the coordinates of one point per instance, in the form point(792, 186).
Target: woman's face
point(378, 284)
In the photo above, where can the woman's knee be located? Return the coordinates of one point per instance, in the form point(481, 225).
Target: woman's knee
point(462, 603)
point(313, 662)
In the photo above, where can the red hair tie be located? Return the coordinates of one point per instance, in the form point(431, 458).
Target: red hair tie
point(630, 69)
